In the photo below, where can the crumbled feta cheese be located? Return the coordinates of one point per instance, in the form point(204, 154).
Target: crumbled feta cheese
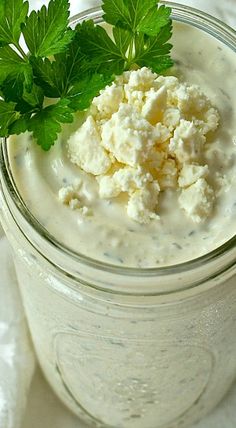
point(124, 180)
point(129, 136)
point(197, 200)
point(164, 132)
point(155, 160)
point(67, 194)
point(134, 97)
point(108, 187)
point(171, 118)
point(155, 105)
point(71, 196)
point(143, 134)
point(187, 142)
point(132, 178)
point(211, 120)
point(189, 174)
point(74, 204)
point(142, 190)
point(109, 100)
point(167, 177)
point(169, 82)
point(143, 203)
point(142, 79)
point(86, 151)
point(189, 99)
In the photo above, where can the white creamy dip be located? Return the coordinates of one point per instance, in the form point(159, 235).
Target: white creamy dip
point(104, 231)
point(132, 350)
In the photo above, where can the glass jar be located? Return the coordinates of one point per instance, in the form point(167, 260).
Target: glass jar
point(125, 347)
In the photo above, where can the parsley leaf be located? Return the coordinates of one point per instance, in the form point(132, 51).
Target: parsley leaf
point(66, 77)
point(107, 56)
point(127, 14)
point(35, 97)
point(104, 56)
point(7, 116)
point(138, 32)
point(136, 15)
point(83, 92)
point(46, 124)
point(155, 20)
point(49, 75)
point(122, 39)
point(13, 89)
point(153, 51)
point(57, 76)
point(11, 64)
point(20, 125)
point(46, 32)
point(12, 15)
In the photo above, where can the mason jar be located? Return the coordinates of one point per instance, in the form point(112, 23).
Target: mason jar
point(125, 347)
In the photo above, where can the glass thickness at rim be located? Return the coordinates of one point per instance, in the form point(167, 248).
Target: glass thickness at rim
point(180, 13)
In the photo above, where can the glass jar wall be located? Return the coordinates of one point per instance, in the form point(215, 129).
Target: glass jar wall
point(123, 347)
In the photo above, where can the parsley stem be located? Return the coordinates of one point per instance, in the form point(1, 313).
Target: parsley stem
point(130, 54)
point(17, 45)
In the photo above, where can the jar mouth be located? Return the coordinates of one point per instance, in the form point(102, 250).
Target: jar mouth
point(180, 13)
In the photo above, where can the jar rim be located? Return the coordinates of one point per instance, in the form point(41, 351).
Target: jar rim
point(181, 13)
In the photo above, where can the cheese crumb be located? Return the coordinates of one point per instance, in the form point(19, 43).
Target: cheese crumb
point(197, 200)
point(128, 136)
point(67, 194)
point(168, 176)
point(71, 196)
point(86, 151)
point(124, 180)
point(141, 79)
point(155, 105)
point(187, 142)
point(143, 203)
point(191, 173)
point(108, 101)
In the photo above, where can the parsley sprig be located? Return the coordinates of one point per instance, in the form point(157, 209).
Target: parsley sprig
point(140, 35)
point(71, 66)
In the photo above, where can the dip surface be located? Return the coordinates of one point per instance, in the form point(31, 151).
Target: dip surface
point(108, 234)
